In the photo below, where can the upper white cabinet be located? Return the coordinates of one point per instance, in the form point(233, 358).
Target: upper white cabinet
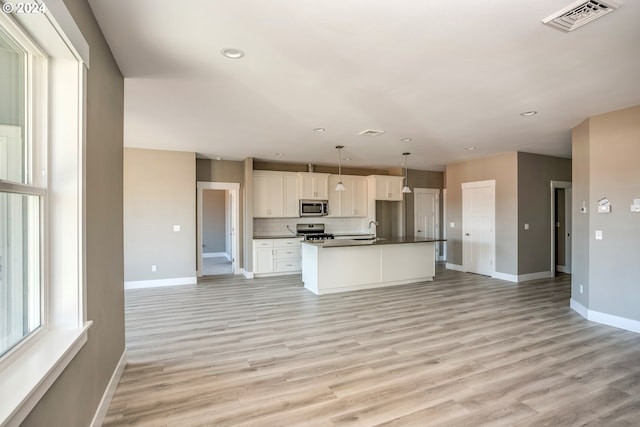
point(314, 185)
point(349, 203)
point(386, 187)
point(275, 194)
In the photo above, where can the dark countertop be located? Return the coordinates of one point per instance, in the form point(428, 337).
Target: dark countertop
point(341, 243)
point(280, 236)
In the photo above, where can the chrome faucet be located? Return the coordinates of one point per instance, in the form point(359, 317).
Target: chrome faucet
point(376, 228)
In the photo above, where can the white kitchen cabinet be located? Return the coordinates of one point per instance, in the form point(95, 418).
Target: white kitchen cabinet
point(349, 203)
point(314, 185)
point(275, 194)
point(277, 256)
point(386, 187)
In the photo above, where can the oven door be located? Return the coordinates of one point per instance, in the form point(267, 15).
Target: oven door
point(313, 207)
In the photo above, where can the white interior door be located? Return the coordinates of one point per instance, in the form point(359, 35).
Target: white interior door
point(426, 205)
point(478, 227)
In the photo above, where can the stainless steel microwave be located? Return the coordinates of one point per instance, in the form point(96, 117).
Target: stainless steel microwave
point(314, 207)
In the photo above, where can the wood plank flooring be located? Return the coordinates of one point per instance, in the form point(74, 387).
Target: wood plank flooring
point(464, 350)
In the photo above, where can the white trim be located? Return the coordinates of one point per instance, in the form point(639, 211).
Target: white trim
point(216, 255)
point(535, 276)
point(604, 318)
point(141, 284)
point(579, 308)
point(454, 267)
point(234, 189)
point(479, 184)
point(103, 407)
point(505, 276)
point(248, 274)
point(561, 269)
point(441, 258)
point(28, 379)
point(553, 186)
point(277, 273)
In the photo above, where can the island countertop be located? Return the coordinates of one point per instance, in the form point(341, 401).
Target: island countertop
point(380, 241)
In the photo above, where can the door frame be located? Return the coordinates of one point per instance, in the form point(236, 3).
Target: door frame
point(234, 189)
point(435, 191)
point(554, 186)
point(491, 183)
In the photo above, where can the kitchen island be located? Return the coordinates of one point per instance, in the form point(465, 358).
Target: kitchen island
point(347, 265)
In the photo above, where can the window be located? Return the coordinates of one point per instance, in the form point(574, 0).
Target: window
point(43, 324)
point(21, 199)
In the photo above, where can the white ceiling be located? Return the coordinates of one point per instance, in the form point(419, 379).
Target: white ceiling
point(449, 74)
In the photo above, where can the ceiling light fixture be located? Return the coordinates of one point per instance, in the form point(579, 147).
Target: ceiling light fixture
point(280, 154)
point(470, 148)
point(529, 113)
point(406, 140)
point(340, 186)
point(319, 129)
point(406, 188)
point(232, 53)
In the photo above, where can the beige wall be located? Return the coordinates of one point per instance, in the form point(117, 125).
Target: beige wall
point(606, 151)
point(73, 399)
point(504, 169)
point(159, 192)
point(535, 173)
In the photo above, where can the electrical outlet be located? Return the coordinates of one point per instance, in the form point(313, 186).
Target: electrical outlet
point(598, 234)
point(452, 225)
point(176, 228)
point(526, 226)
point(154, 268)
point(581, 289)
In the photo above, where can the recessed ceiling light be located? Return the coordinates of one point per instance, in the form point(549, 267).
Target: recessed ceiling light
point(529, 113)
point(406, 140)
point(470, 148)
point(279, 154)
point(218, 158)
point(347, 159)
point(319, 129)
point(232, 53)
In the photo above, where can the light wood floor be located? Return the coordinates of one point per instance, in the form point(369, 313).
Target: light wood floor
point(464, 350)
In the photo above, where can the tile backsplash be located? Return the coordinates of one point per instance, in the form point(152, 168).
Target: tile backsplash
point(278, 226)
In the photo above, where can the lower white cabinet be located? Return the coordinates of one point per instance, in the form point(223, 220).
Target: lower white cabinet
point(277, 256)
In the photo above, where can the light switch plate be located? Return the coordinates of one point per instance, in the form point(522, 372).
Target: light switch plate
point(598, 234)
point(452, 225)
point(176, 228)
point(526, 226)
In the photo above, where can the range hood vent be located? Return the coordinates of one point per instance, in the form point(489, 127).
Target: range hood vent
point(371, 132)
point(580, 13)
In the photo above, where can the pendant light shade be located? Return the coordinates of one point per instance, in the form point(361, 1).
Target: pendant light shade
point(406, 188)
point(340, 186)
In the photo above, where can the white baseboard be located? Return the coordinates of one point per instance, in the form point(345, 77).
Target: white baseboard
point(522, 277)
point(455, 267)
point(216, 255)
point(561, 268)
point(103, 407)
point(140, 284)
point(248, 274)
point(604, 318)
point(441, 258)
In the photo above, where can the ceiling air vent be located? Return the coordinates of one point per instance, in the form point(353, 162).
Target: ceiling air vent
point(580, 13)
point(371, 132)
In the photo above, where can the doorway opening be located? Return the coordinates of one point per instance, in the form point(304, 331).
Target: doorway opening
point(561, 227)
point(217, 235)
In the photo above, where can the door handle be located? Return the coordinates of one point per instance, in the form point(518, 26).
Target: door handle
point(419, 231)
point(467, 234)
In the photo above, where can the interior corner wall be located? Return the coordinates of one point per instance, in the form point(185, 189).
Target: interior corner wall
point(614, 150)
point(159, 193)
point(503, 169)
point(580, 178)
point(535, 172)
point(232, 172)
point(72, 400)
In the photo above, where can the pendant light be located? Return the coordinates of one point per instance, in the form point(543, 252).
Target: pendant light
point(406, 188)
point(340, 186)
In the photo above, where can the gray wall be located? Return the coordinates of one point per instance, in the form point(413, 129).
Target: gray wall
point(422, 179)
point(580, 172)
point(535, 172)
point(159, 192)
point(561, 229)
point(73, 399)
point(612, 156)
point(213, 221)
point(504, 169)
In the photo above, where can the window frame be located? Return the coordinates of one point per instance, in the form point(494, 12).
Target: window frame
point(31, 367)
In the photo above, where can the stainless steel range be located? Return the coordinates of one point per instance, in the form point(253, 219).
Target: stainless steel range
point(313, 232)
